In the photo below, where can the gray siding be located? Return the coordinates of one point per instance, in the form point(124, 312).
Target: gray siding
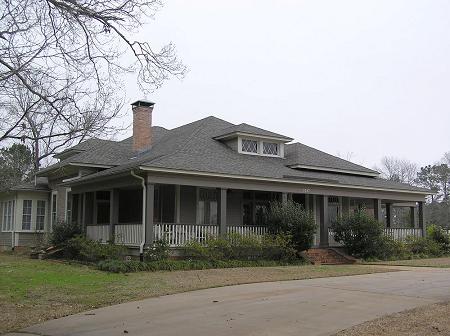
point(234, 207)
point(5, 239)
point(188, 206)
point(233, 144)
point(30, 239)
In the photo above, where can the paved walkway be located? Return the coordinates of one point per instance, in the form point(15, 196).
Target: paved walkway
point(304, 307)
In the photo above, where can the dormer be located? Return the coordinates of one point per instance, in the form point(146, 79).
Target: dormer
point(251, 140)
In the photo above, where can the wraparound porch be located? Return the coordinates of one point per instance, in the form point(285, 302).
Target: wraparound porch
point(183, 212)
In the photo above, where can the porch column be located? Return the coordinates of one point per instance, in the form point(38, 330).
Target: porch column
point(388, 215)
point(345, 206)
point(324, 219)
point(377, 209)
point(284, 198)
point(421, 219)
point(223, 212)
point(177, 203)
point(83, 213)
point(94, 212)
point(412, 216)
point(80, 210)
point(113, 213)
point(149, 213)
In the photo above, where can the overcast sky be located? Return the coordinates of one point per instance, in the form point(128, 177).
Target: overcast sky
point(356, 78)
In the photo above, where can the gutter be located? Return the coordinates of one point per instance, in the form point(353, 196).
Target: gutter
point(285, 181)
point(13, 234)
point(73, 178)
point(144, 199)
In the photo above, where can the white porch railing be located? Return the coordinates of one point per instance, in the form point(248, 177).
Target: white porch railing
point(98, 232)
point(128, 234)
point(402, 233)
point(180, 234)
point(394, 233)
point(247, 231)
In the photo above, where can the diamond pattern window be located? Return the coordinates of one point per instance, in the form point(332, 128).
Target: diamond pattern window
point(249, 146)
point(270, 148)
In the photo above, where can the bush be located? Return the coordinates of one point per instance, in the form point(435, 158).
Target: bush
point(118, 266)
point(391, 249)
point(63, 231)
point(441, 237)
point(361, 234)
point(83, 249)
point(158, 251)
point(423, 247)
point(292, 220)
point(238, 247)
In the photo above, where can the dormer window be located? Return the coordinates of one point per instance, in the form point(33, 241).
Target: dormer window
point(249, 146)
point(270, 148)
point(262, 147)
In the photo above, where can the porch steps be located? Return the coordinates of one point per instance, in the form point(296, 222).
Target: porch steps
point(328, 256)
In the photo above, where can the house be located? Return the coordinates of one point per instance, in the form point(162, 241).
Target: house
point(204, 178)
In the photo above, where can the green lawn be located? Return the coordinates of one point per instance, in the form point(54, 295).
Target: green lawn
point(443, 262)
point(32, 291)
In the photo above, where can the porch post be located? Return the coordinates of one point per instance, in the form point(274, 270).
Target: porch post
point(80, 210)
point(421, 219)
point(377, 209)
point(83, 215)
point(113, 213)
point(345, 206)
point(324, 219)
point(177, 203)
point(223, 212)
point(149, 213)
point(388, 215)
point(284, 198)
point(94, 212)
point(412, 214)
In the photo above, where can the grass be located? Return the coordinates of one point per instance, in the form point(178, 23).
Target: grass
point(32, 291)
point(427, 320)
point(443, 262)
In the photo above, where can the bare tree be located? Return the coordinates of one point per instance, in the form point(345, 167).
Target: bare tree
point(398, 170)
point(47, 132)
point(66, 60)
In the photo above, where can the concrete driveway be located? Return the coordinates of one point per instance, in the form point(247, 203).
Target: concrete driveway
point(304, 307)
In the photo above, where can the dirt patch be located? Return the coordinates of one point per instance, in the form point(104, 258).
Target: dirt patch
point(427, 320)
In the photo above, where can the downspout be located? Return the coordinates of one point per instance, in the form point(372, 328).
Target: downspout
point(13, 234)
point(144, 202)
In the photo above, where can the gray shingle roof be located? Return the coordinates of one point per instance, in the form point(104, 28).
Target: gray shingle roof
point(191, 147)
point(40, 185)
point(104, 152)
point(248, 129)
point(300, 154)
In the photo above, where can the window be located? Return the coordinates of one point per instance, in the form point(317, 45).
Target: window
point(54, 205)
point(8, 216)
point(40, 215)
point(249, 146)
point(261, 147)
point(26, 214)
point(207, 207)
point(270, 148)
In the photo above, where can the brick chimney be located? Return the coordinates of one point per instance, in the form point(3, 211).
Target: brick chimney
point(142, 125)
